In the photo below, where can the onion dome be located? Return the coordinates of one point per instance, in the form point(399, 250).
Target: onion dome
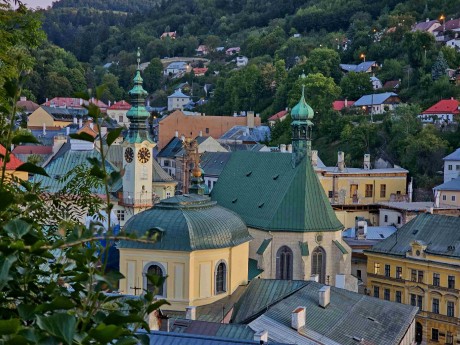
point(186, 223)
point(302, 111)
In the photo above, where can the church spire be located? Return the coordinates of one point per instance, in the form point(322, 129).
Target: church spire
point(301, 115)
point(138, 115)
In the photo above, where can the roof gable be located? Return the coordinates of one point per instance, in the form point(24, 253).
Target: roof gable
point(269, 193)
point(374, 99)
point(278, 116)
point(444, 106)
point(454, 156)
point(14, 162)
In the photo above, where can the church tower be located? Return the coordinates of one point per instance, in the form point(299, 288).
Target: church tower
point(301, 124)
point(137, 152)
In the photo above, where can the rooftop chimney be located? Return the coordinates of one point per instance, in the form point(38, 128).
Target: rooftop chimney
point(261, 337)
point(324, 296)
point(298, 318)
point(44, 128)
point(283, 148)
point(201, 133)
point(250, 119)
point(109, 103)
point(289, 148)
point(23, 98)
point(341, 160)
point(81, 101)
point(346, 102)
point(80, 122)
point(67, 131)
point(367, 162)
point(91, 125)
point(75, 120)
point(190, 313)
point(182, 137)
point(314, 278)
point(314, 158)
point(235, 114)
point(176, 134)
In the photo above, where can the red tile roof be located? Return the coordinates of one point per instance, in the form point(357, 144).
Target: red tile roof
point(444, 106)
point(278, 115)
point(339, 105)
point(27, 105)
point(449, 25)
point(14, 162)
point(33, 149)
point(70, 102)
point(121, 105)
point(198, 70)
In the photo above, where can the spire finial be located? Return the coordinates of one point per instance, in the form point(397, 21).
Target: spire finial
point(138, 57)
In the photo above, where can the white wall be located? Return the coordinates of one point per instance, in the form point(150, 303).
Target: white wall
point(390, 217)
point(451, 170)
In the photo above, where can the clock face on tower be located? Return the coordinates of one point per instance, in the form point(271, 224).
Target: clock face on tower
point(143, 155)
point(129, 155)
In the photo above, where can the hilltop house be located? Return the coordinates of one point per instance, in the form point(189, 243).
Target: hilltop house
point(232, 51)
point(446, 110)
point(378, 103)
point(279, 116)
point(366, 66)
point(178, 100)
point(117, 111)
point(170, 34)
point(427, 26)
point(175, 68)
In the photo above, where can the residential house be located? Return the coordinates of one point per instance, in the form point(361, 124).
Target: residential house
point(245, 135)
point(454, 43)
point(241, 61)
point(359, 238)
point(392, 85)
point(202, 50)
point(117, 111)
point(448, 193)
point(25, 106)
point(178, 100)
point(232, 51)
point(213, 163)
point(376, 83)
point(341, 105)
point(199, 72)
point(171, 34)
point(366, 66)
point(452, 165)
point(446, 26)
point(54, 117)
point(176, 68)
point(279, 116)
point(419, 265)
point(191, 125)
point(427, 26)
point(74, 103)
point(378, 103)
point(445, 111)
point(12, 164)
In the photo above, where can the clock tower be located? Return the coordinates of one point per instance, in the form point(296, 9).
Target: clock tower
point(137, 151)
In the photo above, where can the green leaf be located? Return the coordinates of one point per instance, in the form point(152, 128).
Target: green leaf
point(156, 305)
point(100, 90)
point(113, 135)
point(17, 340)
point(6, 199)
point(10, 326)
point(5, 265)
point(32, 168)
point(18, 227)
point(97, 172)
point(105, 333)
point(82, 136)
point(59, 302)
point(24, 138)
point(117, 318)
point(26, 311)
point(127, 341)
point(60, 325)
point(114, 177)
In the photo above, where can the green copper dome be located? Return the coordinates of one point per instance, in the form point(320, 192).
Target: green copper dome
point(302, 111)
point(186, 223)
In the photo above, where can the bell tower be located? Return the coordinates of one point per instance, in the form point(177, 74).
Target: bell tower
point(137, 150)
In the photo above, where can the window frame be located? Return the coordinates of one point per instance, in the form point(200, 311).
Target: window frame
point(451, 279)
point(398, 296)
point(387, 270)
point(163, 270)
point(435, 305)
point(436, 279)
point(220, 283)
point(398, 273)
point(435, 334)
point(383, 190)
point(369, 190)
point(450, 308)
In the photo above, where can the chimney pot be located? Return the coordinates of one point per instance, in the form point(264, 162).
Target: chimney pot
point(201, 133)
point(80, 122)
point(367, 162)
point(341, 160)
point(283, 148)
point(190, 313)
point(176, 134)
point(23, 98)
point(261, 337)
point(324, 296)
point(289, 148)
point(314, 278)
point(314, 158)
point(298, 318)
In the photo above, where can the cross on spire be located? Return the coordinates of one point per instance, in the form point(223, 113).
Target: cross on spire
point(138, 57)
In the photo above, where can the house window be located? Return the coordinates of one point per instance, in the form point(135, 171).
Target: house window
point(449, 167)
point(449, 338)
point(453, 197)
point(120, 118)
point(376, 291)
point(385, 218)
point(369, 190)
point(399, 219)
point(398, 297)
point(318, 264)
point(451, 282)
point(221, 278)
point(284, 263)
point(330, 194)
point(121, 215)
point(207, 130)
point(420, 277)
point(386, 294)
point(387, 270)
point(398, 272)
point(435, 306)
point(155, 271)
point(444, 197)
point(436, 279)
point(434, 334)
point(413, 300)
point(383, 190)
point(413, 275)
point(457, 167)
point(168, 194)
point(376, 267)
point(450, 308)
point(358, 273)
point(420, 302)
point(353, 190)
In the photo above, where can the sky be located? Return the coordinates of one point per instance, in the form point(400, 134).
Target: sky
point(38, 3)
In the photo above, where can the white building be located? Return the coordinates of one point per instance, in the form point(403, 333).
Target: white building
point(241, 61)
point(175, 68)
point(376, 83)
point(452, 166)
point(177, 100)
point(117, 111)
point(454, 43)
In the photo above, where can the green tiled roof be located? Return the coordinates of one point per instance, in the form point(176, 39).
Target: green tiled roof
point(262, 294)
point(440, 233)
point(304, 249)
point(253, 271)
point(270, 193)
point(186, 223)
point(340, 246)
point(263, 246)
point(214, 329)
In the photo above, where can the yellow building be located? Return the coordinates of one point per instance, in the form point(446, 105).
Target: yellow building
point(420, 265)
point(12, 165)
point(202, 248)
point(51, 117)
point(448, 193)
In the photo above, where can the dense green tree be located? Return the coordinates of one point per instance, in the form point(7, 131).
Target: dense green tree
point(153, 75)
point(392, 69)
point(113, 91)
point(440, 67)
point(325, 61)
point(354, 85)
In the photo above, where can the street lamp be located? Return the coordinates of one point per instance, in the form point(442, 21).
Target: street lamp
point(362, 56)
point(443, 21)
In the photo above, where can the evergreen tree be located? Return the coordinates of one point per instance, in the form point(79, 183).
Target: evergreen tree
point(439, 67)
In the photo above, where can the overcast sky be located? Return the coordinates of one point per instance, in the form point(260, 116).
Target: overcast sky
point(38, 3)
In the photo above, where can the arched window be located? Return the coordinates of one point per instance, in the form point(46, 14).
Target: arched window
point(284, 259)
point(318, 264)
point(156, 270)
point(221, 277)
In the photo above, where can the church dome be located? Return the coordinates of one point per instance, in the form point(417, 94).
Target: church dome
point(186, 223)
point(302, 111)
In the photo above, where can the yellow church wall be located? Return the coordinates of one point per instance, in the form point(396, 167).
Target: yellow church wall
point(444, 266)
point(161, 189)
point(191, 275)
point(348, 218)
point(393, 183)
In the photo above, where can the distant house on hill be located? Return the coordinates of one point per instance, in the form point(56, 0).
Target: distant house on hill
point(366, 66)
point(175, 68)
point(241, 61)
point(378, 103)
point(376, 83)
point(232, 51)
point(444, 111)
point(177, 100)
point(279, 116)
point(26, 106)
point(340, 105)
point(202, 50)
point(392, 85)
point(427, 26)
point(170, 34)
point(117, 111)
point(199, 72)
